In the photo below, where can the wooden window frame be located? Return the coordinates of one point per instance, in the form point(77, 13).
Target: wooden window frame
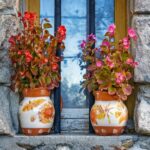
point(121, 23)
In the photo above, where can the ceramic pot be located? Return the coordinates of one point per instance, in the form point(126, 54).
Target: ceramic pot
point(108, 115)
point(36, 112)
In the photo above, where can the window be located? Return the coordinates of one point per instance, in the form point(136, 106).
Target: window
point(81, 17)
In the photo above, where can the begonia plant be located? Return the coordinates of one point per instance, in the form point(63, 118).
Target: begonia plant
point(33, 52)
point(110, 66)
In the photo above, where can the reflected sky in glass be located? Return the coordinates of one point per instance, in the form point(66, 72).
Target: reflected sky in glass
point(74, 18)
point(104, 11)
point(47, 11)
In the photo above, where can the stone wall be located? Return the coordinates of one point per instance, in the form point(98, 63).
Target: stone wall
point(141, 22)
point(9, 101)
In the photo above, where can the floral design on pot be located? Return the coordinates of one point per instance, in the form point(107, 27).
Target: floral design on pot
point(108, 115)
point(36, 112)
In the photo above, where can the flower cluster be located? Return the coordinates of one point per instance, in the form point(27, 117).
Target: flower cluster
point(110, 66)
point(33, 53)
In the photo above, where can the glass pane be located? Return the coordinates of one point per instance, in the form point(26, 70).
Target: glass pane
point(47, 11)
point(74, 18)
point(104, 17)
point(71, 77)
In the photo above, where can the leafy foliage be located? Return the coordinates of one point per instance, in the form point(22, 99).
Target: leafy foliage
point(33, 53)
point(109, 67)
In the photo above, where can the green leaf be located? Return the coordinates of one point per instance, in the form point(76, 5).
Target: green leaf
point(47, 25)
point(48, 80)
point(111, 90)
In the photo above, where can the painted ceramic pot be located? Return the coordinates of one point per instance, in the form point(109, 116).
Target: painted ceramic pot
point(36, 112)
point(108, 115)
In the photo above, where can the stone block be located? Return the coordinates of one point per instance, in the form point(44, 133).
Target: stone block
point(5, 118)
point(142, 110)
point(4, 4)
point(141, 49)
point(9, 104)
point(67, 142)
point(8, 26)
point(141, 6)
point(14, 109)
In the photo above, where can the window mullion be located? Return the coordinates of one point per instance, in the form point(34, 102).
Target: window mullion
point(57, 91)
point(90, 29)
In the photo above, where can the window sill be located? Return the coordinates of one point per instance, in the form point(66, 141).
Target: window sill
point(73, 142)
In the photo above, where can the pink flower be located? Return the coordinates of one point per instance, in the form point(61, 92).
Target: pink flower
point(105, 43)
point(132, 33)
point(83, 44)
point(135, 64)
point(126, 43)
point(109, 62)
point(131, 62)
point(91, 37)
point(111, 28)
point(119, 77)
point(99, 63)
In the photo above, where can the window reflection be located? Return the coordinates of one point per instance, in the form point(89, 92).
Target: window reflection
point(74, 18)
point(47, 11)
point(104, 12)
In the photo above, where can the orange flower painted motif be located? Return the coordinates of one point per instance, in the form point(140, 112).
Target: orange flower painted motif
point(32, 104)
point(47, 113)
point(97, 112)
point(101, 112)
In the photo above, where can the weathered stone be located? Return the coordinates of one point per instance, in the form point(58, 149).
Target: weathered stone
point(143, 143)
point(5, 118)
point(141, 49)
point(4, 4)
point(75, 142)
point(142, 110)
point(8, 24)
point(14, 109)
point(5, 71)
point(141, 6)
point(8, 27)
point(66, 142)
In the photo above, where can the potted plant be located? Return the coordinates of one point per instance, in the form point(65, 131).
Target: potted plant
point(109, 70)
point(36, 71)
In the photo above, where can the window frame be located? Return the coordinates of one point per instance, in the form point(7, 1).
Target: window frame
point(121, 23)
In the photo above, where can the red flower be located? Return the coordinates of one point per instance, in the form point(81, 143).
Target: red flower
point(19, 14)
point(22, 73)
point(28, 56)
point(30, 17)
point(11, 40)
point(19, 52)
point(61, 33)
point(62, 29)
point(45, 60)
point(54, 66)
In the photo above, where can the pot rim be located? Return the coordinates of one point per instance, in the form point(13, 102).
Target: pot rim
point(104, 96)
point(36, 92)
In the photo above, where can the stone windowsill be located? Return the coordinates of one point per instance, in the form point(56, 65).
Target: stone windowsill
point(74, 142)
